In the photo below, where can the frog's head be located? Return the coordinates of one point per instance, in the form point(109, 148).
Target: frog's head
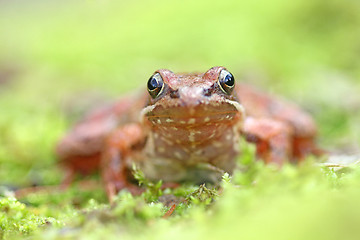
point(190, 100)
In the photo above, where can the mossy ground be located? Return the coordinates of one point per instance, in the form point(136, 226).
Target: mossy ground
point(59, 58)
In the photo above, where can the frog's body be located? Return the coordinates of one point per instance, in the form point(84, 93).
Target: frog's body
point(187, 129)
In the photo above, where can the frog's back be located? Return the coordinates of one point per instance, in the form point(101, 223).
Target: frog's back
point(262, 105)
point(80, 149)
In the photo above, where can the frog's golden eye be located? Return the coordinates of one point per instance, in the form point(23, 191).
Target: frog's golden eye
point(155, 85)
point(226, 81)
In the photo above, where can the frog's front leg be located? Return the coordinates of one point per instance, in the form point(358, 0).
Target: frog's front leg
point(272, 139)
point(119, 148)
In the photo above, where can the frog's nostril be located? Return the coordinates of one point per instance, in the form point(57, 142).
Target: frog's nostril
point(207, 92)
point(174, 93)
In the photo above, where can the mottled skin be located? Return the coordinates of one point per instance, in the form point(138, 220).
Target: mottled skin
point(186, 131)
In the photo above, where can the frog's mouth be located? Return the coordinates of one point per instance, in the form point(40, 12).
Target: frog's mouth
point(226, 112)
point(194, 125)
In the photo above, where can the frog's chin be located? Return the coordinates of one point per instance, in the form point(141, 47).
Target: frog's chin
point(206, 113)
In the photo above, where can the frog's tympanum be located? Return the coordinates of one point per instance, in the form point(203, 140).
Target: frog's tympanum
point(186, 127)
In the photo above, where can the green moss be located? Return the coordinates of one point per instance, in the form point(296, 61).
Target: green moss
point(276, 199)
point(16, 219)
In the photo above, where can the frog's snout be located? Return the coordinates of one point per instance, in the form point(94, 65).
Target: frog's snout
point(191, 96)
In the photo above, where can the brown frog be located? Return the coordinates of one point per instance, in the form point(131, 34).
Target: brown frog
point(186, 127)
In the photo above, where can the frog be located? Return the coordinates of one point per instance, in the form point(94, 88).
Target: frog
point(185, 128)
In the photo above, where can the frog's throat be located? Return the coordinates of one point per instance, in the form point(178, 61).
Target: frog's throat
point(237, 105)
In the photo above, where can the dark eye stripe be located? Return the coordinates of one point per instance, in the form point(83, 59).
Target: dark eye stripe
point(226, 81)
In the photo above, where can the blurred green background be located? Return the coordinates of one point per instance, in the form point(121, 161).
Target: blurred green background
point(57, 58)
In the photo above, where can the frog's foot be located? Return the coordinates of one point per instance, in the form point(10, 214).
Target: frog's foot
point(115, 176)
point(303, 146)
point(116, 158)
point(112, 188)
point(171, 185)
point(272, 139)
point(68, 179)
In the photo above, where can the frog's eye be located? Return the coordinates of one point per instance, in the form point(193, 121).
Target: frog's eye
point(155, 85)
point(226, 81)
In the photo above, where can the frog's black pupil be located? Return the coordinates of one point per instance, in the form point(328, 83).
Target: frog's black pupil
point(229, 80)
point(153, 84)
